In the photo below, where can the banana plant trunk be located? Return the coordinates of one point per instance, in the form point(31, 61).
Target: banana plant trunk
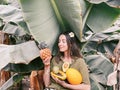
point(4, 75)
point(117, 58)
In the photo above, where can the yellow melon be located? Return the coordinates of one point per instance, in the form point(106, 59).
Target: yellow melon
point(74, 77)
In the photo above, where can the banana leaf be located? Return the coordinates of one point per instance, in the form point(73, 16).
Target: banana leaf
point(41, 20)
point(97, 1)
point(100, 67)
point(96, 51)
point(35, 64)
point(112, 3)
point(71, 13)
point(3, 2)
point(16, 78)
point(103, 42)
point(101, 17)
point(9, 15)
point(13, 28)
point(13, 3)
point(20, 53)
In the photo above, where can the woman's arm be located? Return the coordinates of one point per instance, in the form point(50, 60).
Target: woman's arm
point(77, 87)
point(46, 75)
point(72, 87)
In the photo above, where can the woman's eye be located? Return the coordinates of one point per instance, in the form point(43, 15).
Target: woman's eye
point(59, 41)
point(64, 41)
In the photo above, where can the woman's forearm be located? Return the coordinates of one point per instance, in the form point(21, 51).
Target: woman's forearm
point(46, 76)
point(78, 87)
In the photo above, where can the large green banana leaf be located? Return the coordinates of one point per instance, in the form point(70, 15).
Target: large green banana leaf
point(13, 29)
point(112, 3)
point(3, 2)
point(20, 53)
point(13, 3)
point(104, 42)
point(71, 13)
point(38, 20)
point(41, 20)
point(101, 17)
point(10, 14)
point(100, 67)
point(96, 52)
point(12, 19)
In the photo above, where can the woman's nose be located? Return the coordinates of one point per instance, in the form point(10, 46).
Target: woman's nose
point(59, 44)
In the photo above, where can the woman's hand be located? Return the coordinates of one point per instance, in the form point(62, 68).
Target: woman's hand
point(61, 82)
point(47, 61)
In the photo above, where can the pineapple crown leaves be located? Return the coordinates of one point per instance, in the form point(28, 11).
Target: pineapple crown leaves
point(42, 45)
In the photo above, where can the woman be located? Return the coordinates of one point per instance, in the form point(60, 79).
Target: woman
point(68, 52)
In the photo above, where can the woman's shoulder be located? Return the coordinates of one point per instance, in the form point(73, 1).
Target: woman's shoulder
point(79, 59)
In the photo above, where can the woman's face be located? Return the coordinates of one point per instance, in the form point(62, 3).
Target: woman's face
point(62, 44)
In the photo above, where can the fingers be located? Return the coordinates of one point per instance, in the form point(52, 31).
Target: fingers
point(47, 60)
point(54, 78)
point(57, 80)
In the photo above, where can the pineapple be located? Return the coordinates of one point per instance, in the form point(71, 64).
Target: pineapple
point(44, 50)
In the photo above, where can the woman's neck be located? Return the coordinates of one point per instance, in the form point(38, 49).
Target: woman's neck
point(67, 58)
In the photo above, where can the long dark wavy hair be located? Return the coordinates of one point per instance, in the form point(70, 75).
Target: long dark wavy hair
point(72, 46)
